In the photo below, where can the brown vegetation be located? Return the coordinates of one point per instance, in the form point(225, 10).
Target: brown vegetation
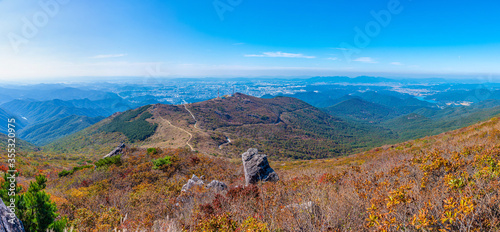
point(447, 182)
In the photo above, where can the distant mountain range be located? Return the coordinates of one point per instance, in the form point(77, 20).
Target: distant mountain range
point(42, 122)
point(406, 116)
point(44, 92)
point(5, 116)
point(321, 117)
point(46, 132)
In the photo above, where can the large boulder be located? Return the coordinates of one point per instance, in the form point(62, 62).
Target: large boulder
point(257, 167)
point(117, 151)
point(8, 220)
point(194, 181)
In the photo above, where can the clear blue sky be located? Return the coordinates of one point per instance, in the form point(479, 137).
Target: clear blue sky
point(247, 38)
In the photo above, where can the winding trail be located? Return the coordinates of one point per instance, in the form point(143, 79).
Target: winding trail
point(192, 115)
point(190, 135)
point(224, 144)
point(196, 126)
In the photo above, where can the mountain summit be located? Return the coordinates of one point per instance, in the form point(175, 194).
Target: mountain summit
point(286, 127)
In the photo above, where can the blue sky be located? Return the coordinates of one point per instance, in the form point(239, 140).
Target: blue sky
point(193, 38)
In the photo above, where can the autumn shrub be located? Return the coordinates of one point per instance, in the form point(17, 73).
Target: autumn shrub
point(221, 222)
point(3, 168)
point(250, 191)
point(253, 224)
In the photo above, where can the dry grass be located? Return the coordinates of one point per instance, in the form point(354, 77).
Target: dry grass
point(447, 182)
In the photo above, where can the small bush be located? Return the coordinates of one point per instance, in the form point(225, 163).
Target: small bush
point(68, 173)
point(106, 162)
point(152, 151)
point(162, 162)
point(65, 173)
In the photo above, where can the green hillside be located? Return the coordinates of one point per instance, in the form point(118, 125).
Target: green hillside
point(5, 116)
point(132, 124)
point(43, 111)
point(21, 145)
point(427, 122)
point(359, 109)
point(44, 133)
point(100, 138)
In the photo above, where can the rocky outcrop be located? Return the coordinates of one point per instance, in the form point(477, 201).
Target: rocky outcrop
point(8, 220)
point(117, 151)
point(217, 185)
point(194, 181)
point(257, 167)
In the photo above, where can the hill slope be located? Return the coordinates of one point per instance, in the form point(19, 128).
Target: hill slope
point(46, 132)
point(21, 145)
point(42, 111)
point(5, 116)
point(426, 121)
point(359, 109)
point(287, 127)
point(53, 119)
point(447, 182)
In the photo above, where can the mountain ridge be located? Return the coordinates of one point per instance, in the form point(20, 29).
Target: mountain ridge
point(289, 127)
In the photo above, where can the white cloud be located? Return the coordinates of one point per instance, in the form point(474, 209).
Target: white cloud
point(366, 60)
point(281, 54)
point(333, 58)
point(108, 56)
point(396, 63)
point(342, 49)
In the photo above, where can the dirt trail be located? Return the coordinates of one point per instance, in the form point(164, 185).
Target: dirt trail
point(196, 126)
point(190, 135)
point(192, 115)
point(224, 144)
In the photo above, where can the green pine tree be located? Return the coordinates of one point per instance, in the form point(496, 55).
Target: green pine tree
point(34, 207)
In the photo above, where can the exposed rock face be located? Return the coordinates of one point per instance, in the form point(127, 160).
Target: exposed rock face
point(217, 185)
point(117, 151)
point(194, 181)
point(257, 167)
point(8, 221)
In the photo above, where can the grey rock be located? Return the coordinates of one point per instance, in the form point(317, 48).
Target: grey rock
point(194, 181)
point(117, 151)
point(257, 167)
point(8, 221)
point(217, 185)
